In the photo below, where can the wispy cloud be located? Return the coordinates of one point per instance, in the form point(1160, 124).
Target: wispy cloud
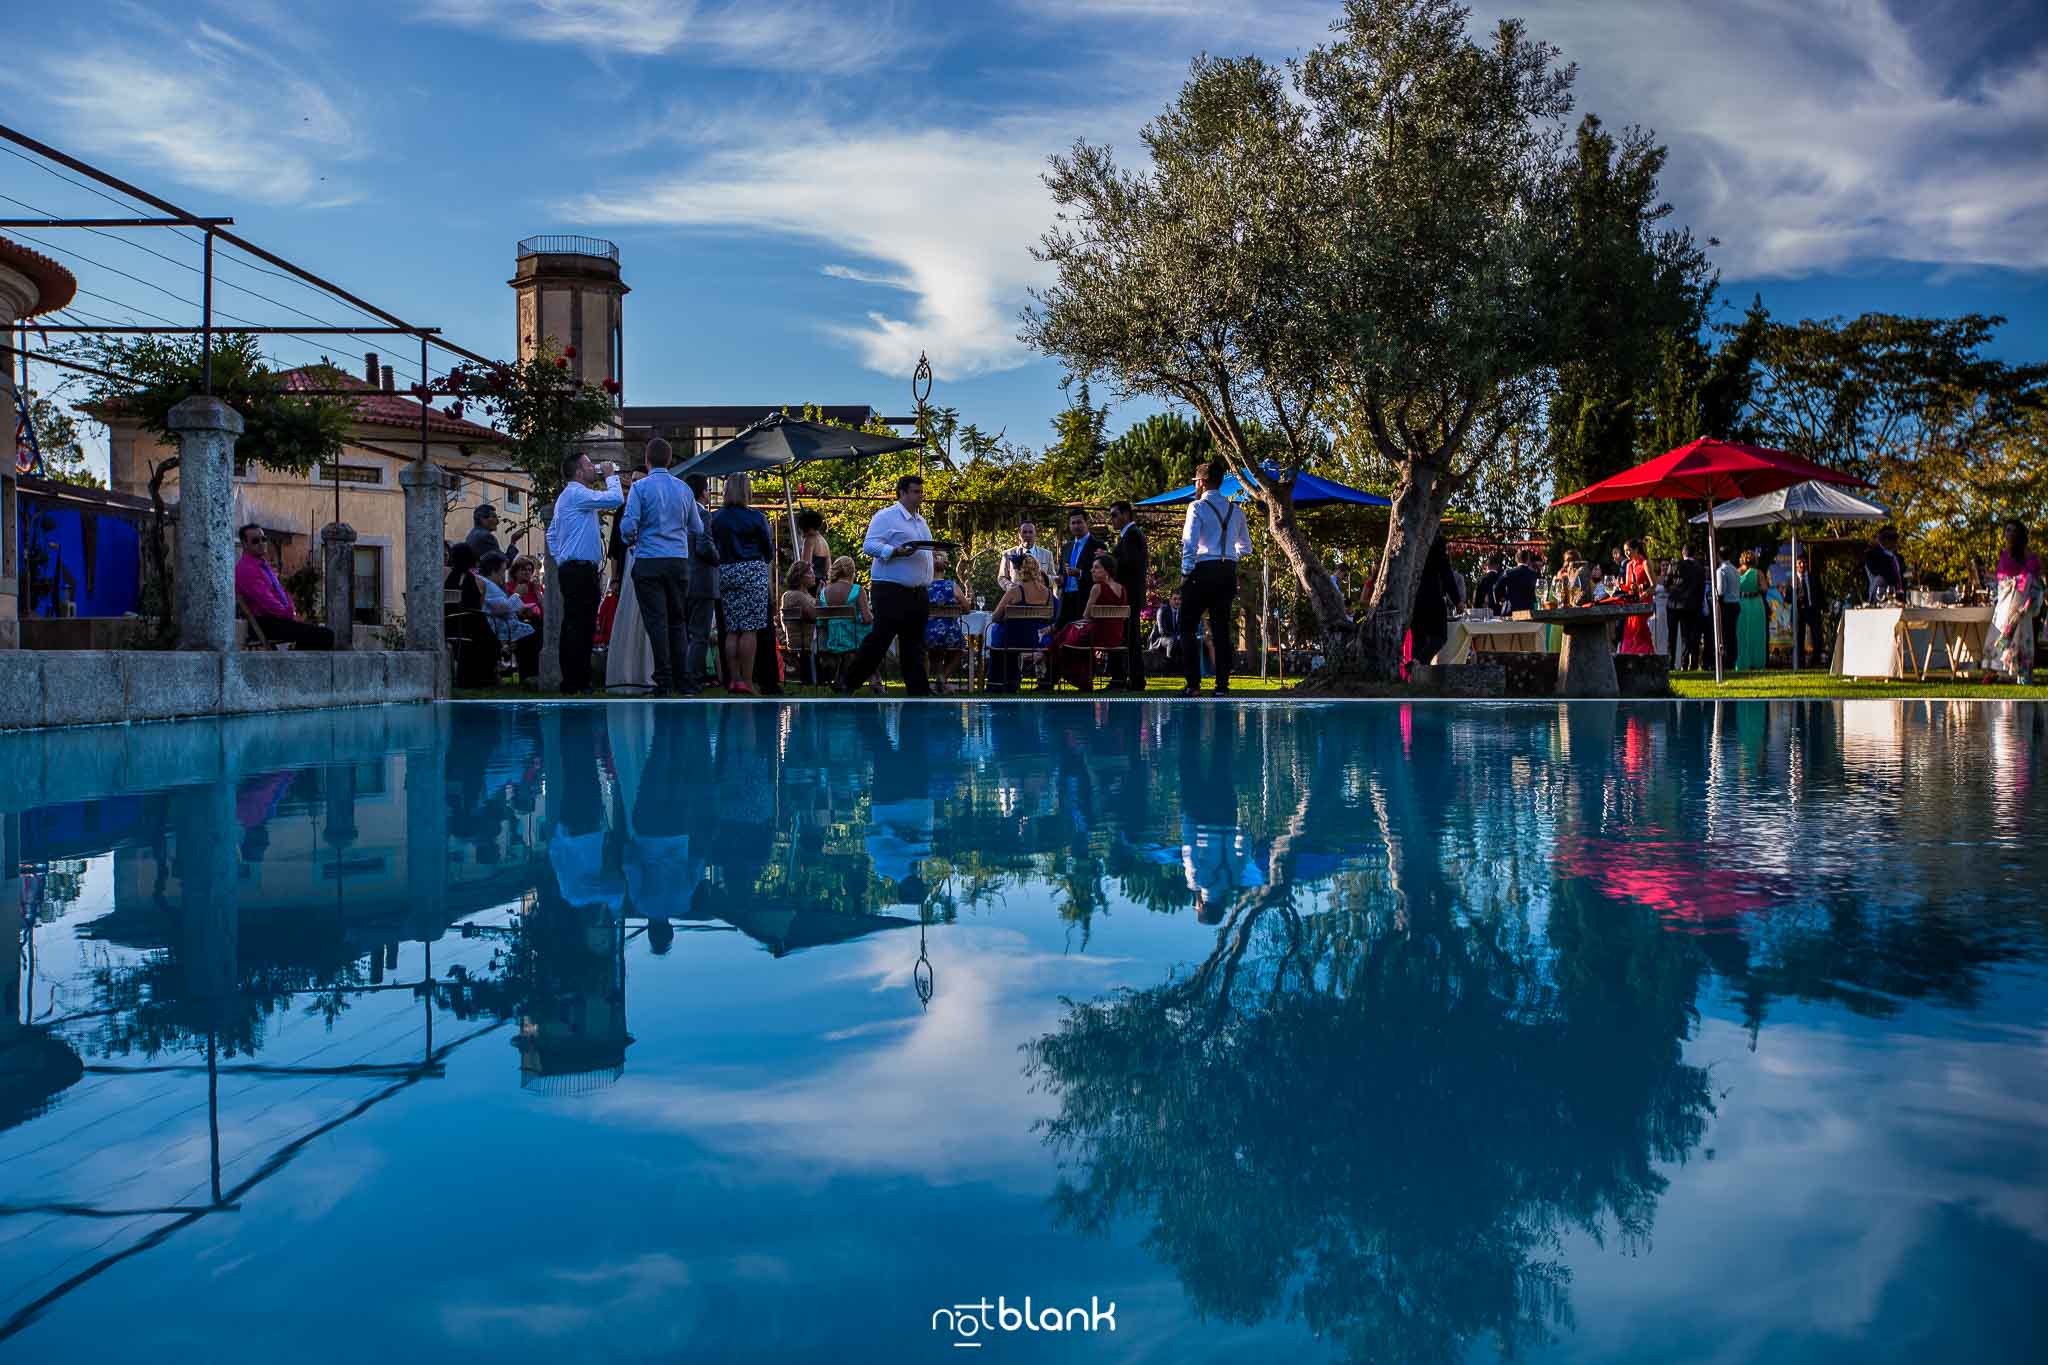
point(222, 116)
point(1813, 137)
point(949, 216)
point(736, 33)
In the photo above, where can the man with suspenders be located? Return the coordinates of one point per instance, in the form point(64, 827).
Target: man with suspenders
point(1212, 539)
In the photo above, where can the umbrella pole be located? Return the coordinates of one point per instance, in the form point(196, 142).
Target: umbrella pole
point(796, 545)
point(1714, 559)
point(1793, 583)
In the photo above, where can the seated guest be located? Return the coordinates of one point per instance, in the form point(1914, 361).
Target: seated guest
point(1165, 636)
point(1072, 653)
point(526, 583)
point(800, 620)
point(945, 643)
point(1008, 640)
point(843, 637)
point(1884, 573)
point(511, 619)
point(466, 627)
point(263, 597)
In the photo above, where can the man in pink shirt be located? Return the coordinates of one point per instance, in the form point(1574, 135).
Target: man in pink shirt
point(264, 597)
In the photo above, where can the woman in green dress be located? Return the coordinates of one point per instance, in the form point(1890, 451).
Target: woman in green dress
point(1752, 628)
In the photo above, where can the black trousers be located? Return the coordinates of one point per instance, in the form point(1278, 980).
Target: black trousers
point(900, 615)
point(579, 621)
point(1731, 615)
point(526, 654)
point(1812, 626)
point(700, 615)
point(660, 585)
point(296, 633)
point(1689, 640)
point(1211, 589)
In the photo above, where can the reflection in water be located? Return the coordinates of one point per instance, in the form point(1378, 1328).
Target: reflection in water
point(1424, 1020)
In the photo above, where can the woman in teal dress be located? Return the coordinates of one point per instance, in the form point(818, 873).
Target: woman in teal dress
point(1752, 628)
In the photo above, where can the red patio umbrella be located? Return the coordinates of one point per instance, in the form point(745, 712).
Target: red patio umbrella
point(1714, 470)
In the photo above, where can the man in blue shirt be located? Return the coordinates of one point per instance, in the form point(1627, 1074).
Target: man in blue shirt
point(661, 515)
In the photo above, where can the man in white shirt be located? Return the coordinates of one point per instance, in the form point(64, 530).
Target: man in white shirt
point(1212, 539)
point(577, 546)
point(898, 543)
point(1728, 586)
point(1027, 544)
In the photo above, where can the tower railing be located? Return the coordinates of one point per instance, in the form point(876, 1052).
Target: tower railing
point(569, 245)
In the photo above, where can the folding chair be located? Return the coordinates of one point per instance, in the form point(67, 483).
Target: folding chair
point(254, 638)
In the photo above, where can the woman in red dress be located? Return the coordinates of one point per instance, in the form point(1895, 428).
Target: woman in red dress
point(1637, 586)
point(1072, 653)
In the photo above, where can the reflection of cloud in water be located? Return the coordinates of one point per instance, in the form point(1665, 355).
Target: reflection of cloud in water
point(937, 1093)
point(1865, 1147)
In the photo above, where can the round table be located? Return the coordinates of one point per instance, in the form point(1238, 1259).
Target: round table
point(1585, 664)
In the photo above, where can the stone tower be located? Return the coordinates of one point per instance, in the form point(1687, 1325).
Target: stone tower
point(569, 291)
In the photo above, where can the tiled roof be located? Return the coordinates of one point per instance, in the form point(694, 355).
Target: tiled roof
point(57, 285)
point(381, 409)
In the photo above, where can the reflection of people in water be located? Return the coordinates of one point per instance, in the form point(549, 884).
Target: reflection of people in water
point(901, 811)
point(662, 869)
point(1215, 854)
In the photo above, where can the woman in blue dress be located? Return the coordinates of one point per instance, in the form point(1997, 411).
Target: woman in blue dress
point(945, 644)
point(1008, 640)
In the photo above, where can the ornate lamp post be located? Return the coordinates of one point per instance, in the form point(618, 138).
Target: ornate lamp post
point(920, 390)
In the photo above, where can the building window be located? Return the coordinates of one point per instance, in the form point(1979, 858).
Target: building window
point(349, 473)
point(707, 437)
point(367, 597)
point(512, 498)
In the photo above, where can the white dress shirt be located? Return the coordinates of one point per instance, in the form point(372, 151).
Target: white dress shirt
point(893, 526)
point(1006, 571)
point(1214, 529)
point(572, 533)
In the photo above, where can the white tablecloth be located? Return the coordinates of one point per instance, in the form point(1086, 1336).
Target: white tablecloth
point(1868, 642)
point(1524, 636)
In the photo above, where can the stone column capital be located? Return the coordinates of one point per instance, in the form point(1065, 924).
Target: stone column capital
point(335, 531)
point(422, 474)
point(201, 413)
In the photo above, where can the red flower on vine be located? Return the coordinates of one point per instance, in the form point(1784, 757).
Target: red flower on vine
point(569, 352)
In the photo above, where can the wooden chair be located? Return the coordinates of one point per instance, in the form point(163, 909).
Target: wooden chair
point(1020, 612)
point(459, 626)
point(1107, 611)
point(254, 638)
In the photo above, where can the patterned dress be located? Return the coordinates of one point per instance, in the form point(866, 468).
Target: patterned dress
point(2009, 648)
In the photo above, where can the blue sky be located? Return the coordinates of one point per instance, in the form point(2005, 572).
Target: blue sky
point(793, 237)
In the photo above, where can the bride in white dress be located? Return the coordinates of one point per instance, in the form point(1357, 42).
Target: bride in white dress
point(629, 660)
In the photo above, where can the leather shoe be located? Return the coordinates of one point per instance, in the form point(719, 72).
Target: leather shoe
point(1190, 690)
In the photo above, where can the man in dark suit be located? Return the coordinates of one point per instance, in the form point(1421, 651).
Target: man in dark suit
point(1133, 565)
point(1516, 590)
point(1486, 592)
point(1883, 570)
point(1076, 557)
point(1807, 603)
point(1686, 609)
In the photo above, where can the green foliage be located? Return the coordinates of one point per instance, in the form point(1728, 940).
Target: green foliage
point(1153, 456)
point(279, 430)
point(1074, 459)
point(541, 403)
point(1951, 437)
point(57, 438)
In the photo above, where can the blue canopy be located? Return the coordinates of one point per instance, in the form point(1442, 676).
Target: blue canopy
point(1309, 491)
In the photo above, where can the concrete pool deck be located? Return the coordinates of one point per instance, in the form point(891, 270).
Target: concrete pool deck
point(41, 688)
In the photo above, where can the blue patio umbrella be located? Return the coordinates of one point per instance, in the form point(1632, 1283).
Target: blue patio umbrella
point(1309, 491)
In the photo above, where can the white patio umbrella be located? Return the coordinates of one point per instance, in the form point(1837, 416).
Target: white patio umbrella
point(1809, 501)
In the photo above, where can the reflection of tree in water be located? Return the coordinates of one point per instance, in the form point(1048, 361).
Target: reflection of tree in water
point(1383, 1119)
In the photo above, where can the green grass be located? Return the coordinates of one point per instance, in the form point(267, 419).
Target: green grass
point(1786, 684)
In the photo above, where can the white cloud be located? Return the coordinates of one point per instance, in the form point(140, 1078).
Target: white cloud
point(950, 215)
point(1813, 137)
point(738, 33)
point(222, 116)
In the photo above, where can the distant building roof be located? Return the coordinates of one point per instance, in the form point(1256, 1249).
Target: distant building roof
point(55, 285)
point(381, 409)
point(659, 418)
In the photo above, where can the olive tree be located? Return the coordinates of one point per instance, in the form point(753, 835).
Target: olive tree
point(1363, 226)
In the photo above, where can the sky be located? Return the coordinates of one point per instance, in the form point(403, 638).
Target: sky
point(806, 195)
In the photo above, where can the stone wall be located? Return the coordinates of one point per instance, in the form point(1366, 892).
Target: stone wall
point(100, 687)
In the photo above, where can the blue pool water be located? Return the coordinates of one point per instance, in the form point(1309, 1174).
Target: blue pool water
point(1354, 1032)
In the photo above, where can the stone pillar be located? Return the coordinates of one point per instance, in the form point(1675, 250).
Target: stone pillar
point(337, 581)
point(425, 515)
point(206, 429)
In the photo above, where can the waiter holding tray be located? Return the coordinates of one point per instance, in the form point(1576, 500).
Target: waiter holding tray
point(899, 543)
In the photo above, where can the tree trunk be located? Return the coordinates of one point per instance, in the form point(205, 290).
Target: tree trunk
point(1412, 527)
point(1333, 623)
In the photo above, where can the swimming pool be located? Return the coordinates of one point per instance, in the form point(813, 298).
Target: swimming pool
point(743, 1032)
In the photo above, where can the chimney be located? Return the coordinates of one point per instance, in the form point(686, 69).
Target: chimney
point(388, 387)
point(370, 367)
